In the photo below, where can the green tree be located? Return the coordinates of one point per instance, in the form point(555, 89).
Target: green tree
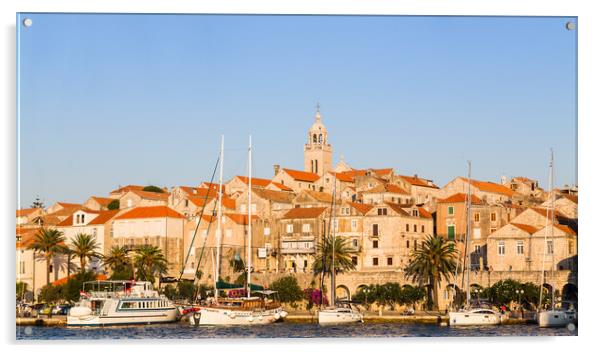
point(504, 292)
point(342, 256)
point(288, 289)
point(153, 188)
point(119, 262)
point(37, 203)
point(186, 290)
point(21, 290)
point(432, 261)
point(84, 247)
point(113, 205)
point(50, 294)
point(71, 289)
point(48, 243)
point(170, 292)
point(150, 263)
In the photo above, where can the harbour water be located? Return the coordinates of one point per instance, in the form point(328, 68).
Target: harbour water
point(281, 330)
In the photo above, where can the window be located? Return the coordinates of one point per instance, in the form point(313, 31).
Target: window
point(415, 244)
point(407, 244)
point(186, 203)
point(306, 228)
point(375, 230)
point(571, 247)
point(355, 243)
point(422, 228)
point(382, 211)
point(353, 224)
point(477, 217)
point(415, 228)
point(289, 228)
point(451, 232)
point(266, 231)
point(501, 247)
point(407, 227)
point(375, 261)
point(493, 217)
point(389, 261)
point(22, 267)
point(492, 230)
point(354, 260)
point(477, 249)
point(550, 247)
point(450, 210)
point(375, 244)
point(415, 213)
point(520, 248)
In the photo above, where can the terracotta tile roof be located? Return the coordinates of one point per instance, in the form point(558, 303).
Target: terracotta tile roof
point(192, 191)
point(281, 186)
point(241, 219)
point(127, 188)
point(397, 208)
point(424, 213)
point(566, 229)
point(301, 175)
point(573, 198)
point(417, 181)
point(525, 227)
point(27, 236)
point(213, 186)
point(150, 212)
point(199, 201)
point(103, 201)
point(68, 205)
point(544, 212)
point(256, 182)
point(149, 195)
point(460, 198)
point(275, 196)
point(362, 172)
point(319, 195)
point(26, 211)
point(104, 217)
point(64, 280)
point(361, 207)
point(344, 177)
point(301, 213)
point(487, 186)
point(391, 188)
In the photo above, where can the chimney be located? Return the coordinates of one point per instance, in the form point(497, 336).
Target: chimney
point(276, 169)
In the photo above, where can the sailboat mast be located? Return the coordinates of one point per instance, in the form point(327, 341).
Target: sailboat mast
point(552, 219)
point(218, 232)
point(545, 238)
point(249, 225)
point(468, 219)
point(334, 237)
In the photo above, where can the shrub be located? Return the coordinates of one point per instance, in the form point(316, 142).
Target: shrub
point(70, 291)
point(288, 289)
point(113, 205)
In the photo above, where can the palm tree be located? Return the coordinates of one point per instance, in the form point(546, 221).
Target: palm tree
point(433, 260)
point(150, 262)
point(84, 247)
point(118, 260)
point(342, 256)
point(49, 243)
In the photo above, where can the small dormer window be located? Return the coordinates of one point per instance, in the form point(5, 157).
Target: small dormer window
point(82, 219)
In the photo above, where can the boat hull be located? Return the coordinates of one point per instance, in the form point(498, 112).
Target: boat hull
point(556, 318)
point(225, 317)
point(327, 317)
point(138, 318)
point(473, 319)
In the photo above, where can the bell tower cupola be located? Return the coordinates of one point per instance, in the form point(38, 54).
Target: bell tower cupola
point(318, 152)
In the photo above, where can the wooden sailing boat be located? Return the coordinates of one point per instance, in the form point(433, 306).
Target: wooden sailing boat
point(553, 316)
point(469, 315)
point(340, 312)
point(248, 310)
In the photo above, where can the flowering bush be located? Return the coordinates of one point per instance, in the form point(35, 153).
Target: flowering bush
point(313, 297)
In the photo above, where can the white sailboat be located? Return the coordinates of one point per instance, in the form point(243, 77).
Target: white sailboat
point(469, 315)
point(249, 310)
point(554, 316)
point(342, 312)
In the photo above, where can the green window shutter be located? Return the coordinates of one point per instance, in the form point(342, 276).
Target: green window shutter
point(450, 209)
point(451, 232)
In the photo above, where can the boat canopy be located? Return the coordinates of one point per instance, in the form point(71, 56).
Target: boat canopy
point(225, 285)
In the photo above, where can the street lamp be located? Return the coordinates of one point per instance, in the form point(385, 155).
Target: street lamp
point(519, 293)
point(366, 291)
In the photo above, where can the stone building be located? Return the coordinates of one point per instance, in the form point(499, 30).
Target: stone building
point(317, 152)
point(98, 203)
point(139, 198)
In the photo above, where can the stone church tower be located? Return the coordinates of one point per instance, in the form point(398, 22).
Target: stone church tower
point(318, 152)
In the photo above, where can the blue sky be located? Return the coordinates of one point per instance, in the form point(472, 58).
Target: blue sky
point(109, 100)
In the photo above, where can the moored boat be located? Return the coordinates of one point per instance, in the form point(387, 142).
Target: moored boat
point(121, 303)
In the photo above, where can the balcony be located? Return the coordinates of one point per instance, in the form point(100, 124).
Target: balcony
point(297, 247)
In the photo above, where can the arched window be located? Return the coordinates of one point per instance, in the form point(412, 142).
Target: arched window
point(315, 138)
point(320, 139)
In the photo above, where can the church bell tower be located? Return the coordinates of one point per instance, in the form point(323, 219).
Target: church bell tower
point(318, 152)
